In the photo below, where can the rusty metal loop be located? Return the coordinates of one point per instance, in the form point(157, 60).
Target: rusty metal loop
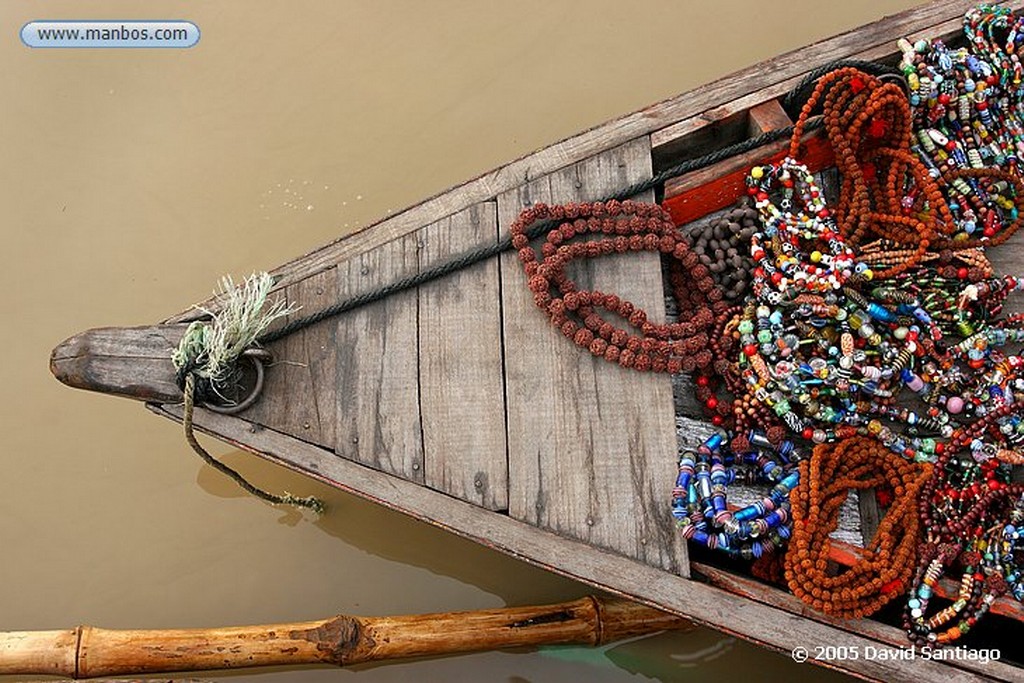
point(257, 358)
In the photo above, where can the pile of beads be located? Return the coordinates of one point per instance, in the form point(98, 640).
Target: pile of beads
point(884, 572)
point(812, 257)
point(723, 244)
point(700, 497)
point(813, 348)
point(969, 123)
point(834, 338)
point(1003, 553)
point(964, 507)
point(939, 283)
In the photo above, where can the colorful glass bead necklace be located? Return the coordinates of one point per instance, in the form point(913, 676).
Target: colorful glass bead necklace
point(700, 497)
point(962, 506)
point(967, 112)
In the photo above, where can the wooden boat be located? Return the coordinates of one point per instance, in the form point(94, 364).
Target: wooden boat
point(455, 401)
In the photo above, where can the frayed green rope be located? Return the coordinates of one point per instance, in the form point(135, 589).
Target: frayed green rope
point(210, 349)
point(208, 352)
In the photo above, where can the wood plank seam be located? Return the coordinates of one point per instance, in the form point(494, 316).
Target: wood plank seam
point(503, 349)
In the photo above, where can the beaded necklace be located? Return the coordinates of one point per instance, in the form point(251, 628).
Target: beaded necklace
point(888, 563)
point(868, 125)
point(969, 123)
point(964, 506)
point(587, 231)
point(722, 244)
point(700, 497)
point(813, 348)
point(1003, 552)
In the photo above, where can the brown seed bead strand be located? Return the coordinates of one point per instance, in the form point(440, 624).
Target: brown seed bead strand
point(723, 245)
point(590, 230)
point(885, 571)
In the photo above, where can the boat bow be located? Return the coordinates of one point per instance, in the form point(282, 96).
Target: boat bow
point(133, 362)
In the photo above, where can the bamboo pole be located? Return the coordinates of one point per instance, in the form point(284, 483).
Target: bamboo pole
point(88, 652)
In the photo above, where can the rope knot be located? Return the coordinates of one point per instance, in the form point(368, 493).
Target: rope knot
point(206, 364)
point(210, 349)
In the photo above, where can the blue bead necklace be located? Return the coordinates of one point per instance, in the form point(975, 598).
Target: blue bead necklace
point(700, 497)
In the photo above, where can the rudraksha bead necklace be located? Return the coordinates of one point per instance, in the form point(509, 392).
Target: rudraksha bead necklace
point(588, 231)
point(868, 126)
point(884, 571)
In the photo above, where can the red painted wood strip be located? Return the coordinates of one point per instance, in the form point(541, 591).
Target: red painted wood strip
point(722, 184)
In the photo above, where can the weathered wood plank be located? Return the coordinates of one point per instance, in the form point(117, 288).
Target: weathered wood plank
point(870, 514)
point(300, 392)
point(378, 400)
point(765, 117)
point(591, 446)
point(462, 389)
point(755, 590)
point(668, 120)
point(751, 620)
point(1007, 259)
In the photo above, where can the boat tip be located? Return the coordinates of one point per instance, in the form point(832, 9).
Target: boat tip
point(133, 362)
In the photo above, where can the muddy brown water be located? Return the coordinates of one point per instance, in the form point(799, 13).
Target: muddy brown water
point(131, 180)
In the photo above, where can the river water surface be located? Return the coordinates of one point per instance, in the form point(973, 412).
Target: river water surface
point(131, 180)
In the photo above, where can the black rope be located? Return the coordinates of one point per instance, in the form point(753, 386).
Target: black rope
point(504, 244)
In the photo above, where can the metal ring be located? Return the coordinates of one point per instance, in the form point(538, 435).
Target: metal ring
point(898, 79)
point(256, 358)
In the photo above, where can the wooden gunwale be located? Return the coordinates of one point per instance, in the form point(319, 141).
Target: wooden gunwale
point(680, 126)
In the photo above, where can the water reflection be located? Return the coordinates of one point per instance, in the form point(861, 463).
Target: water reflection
point(694, 654)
